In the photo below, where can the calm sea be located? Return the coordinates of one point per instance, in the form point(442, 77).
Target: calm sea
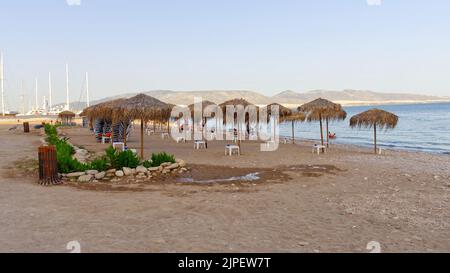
point(422, 127)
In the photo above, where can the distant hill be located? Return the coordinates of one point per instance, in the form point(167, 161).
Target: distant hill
point(288, 98)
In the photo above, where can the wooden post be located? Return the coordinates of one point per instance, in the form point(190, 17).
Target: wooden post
point(321, 131)
point(26, 127)
point(293, 132)
point(125, 134)
point(142, 138)
point(375, 137)
point(328, 135)
point(48, 166)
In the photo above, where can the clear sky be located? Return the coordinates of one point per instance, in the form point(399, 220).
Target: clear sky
point(263, 45)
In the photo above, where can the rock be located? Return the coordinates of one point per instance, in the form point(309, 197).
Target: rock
point(85, 178)
point(173, 166)
point(437, 177)
point(133, 171)
point(127, 171)
point(184, 170)
point(92, 172)
point(165, 171)
point(110, 175)
point(166, 164)
point(75, 175)
point(181, 162)
point(100, 175)
point(160, 169)
point(153, 169)
point(120, 174)
point(141, 169)
point(111, 171)
point(95, 181)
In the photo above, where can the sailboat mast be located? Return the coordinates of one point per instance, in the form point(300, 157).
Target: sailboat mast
point(2, 84)
point(87, 90)
point(50, 91)
point(67, 88)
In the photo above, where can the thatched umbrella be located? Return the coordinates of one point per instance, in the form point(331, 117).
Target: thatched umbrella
point(294, 118)
point(375, 118)
point(236, 102)
point(320, 110)
point(104, 111)
point(205, 104)
point(66, 117)
point(145, 108)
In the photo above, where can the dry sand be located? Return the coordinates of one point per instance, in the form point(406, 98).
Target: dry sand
point(304, 203)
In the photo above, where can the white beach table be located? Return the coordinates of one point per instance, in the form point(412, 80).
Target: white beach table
point(230, 149)
point(316, 148)
point(269, 144)
point(199, 144)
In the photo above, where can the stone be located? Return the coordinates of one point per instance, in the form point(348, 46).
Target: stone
point(160, 169)
point(173, 166)
point(183, 169)
point(181, 162)
point(166, 164)
point(133, 171)
point(165, 171)
point(127, 171)
point(141, 169)
point(153, 169)
point(120, 174)
point(92, 172)
point(110, 175)
point(85, 178)
point(100, 175)
point(75, 175)
point(111, 171)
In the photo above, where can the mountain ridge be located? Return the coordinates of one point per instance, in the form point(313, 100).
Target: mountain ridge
point(288, 98)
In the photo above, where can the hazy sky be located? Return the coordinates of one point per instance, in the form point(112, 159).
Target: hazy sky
point(262, 45)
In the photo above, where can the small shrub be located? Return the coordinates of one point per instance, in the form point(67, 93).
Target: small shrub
point(127, 159)
point(111, 156)
point(158, 159)
point(147, 164)
point(99, 164)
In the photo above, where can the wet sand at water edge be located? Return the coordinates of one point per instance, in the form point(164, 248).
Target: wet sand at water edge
point(337, 202)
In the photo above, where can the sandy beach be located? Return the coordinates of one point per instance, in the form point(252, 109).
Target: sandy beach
point(337, 202)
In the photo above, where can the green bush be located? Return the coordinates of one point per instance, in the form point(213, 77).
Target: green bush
point(64, 152)
point(118, 160)
point(127, 159)
point(147, 164)
point(99, 164)
point(158, 159)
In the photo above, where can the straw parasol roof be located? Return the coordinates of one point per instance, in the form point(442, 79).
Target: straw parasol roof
point(322, 109)
point(104, 110)
point(375, 117)
point(143, 107)
point(284, 112)
point(295, 117)
point(66, 114)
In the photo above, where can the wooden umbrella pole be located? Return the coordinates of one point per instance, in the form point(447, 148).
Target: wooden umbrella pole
point(375, 137)
point(293, 132)
point(112, 131)
point(328, 135)
point(142, 138)
point(321, 131)
point(125, 136)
